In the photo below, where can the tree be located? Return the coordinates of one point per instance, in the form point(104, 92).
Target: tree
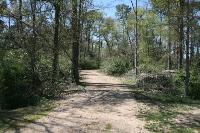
point(136, 37)
point(107, 33)
point(181, 34)
point(122, 12)
point(75, 43)
point(55, 64)
point(187, 67)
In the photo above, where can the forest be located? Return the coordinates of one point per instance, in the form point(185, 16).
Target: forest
point(57, 53)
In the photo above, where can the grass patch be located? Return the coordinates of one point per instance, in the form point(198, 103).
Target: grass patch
point(18, 118)
point(128, 80)
point(162, 111)
point(163, 121)
point(108, 126)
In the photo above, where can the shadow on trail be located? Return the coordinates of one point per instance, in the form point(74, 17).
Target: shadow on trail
point(106, 94)
point(102, 85)
point(16, 119)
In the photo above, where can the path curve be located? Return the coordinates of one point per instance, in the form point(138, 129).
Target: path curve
point(106, 106)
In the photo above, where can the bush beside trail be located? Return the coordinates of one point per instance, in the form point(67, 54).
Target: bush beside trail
point(116, 66)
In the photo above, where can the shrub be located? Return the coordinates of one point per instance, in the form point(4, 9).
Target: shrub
point(88, 64)
point(178, 81)
point(194, 90)
point(159, 82)
point(45, 74)
point(15, 86)
point(148, 65)
point(116, 66)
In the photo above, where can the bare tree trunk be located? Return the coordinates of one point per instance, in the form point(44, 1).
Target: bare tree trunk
point(33, 46)
point(192, 40)
point(92, 47)
point(88, 40)
point(80, 25)
point(9, 24)
point(55, 64)
point(198, 48)
point(169, 63)
point(187, 65)
point(19, 21)
point(136, 54)
point(160, 34)
point(177, 55)
point(169, 39)
point(75, 45)
point(181, 35)
point(99, 51)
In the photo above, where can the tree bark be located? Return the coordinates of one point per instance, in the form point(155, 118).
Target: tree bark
point(19, 22)
point(109, 46)
point(33, 45)
point(55, 64)
point(181, 26)
point(198, 48)
point(136, 40)
point(169, 39)
point(192, 40)
point(80, 26)
point(75, 44)
point(187, 65)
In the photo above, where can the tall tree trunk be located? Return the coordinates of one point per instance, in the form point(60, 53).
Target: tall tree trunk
point(33, 46)
point(109, 46)
point(169, 63)
point(80, 25)
point(181, 26)
point(136, 54)
point(160, 34)
point(169, 39)
point(75, 44)
point(192, 44)
point(19, 21)
point(55, 64)
point(187, 65)
point(88, 40)
point(198, 45)
point(99, 51)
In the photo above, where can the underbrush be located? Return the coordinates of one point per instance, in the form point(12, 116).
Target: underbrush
point(17, 88)
point(89, 64)
point(151, 65)
point(163, 112)
point(194, 85)
point(164, 108)
point(116, 66)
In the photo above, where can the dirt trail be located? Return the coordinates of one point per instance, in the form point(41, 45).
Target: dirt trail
point(106, 106)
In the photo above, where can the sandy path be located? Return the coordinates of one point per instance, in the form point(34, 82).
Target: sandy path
point(95, 111)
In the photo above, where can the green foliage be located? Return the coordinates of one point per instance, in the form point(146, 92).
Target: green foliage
point(194, 88)
point(162, 110)
point(88, 64)
point(108, 126)
point(178, 81)
point(116, 66)
point(150, 57)
point(194, 91)
point(45, 75)
point(151, 67)
point(15, 86)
